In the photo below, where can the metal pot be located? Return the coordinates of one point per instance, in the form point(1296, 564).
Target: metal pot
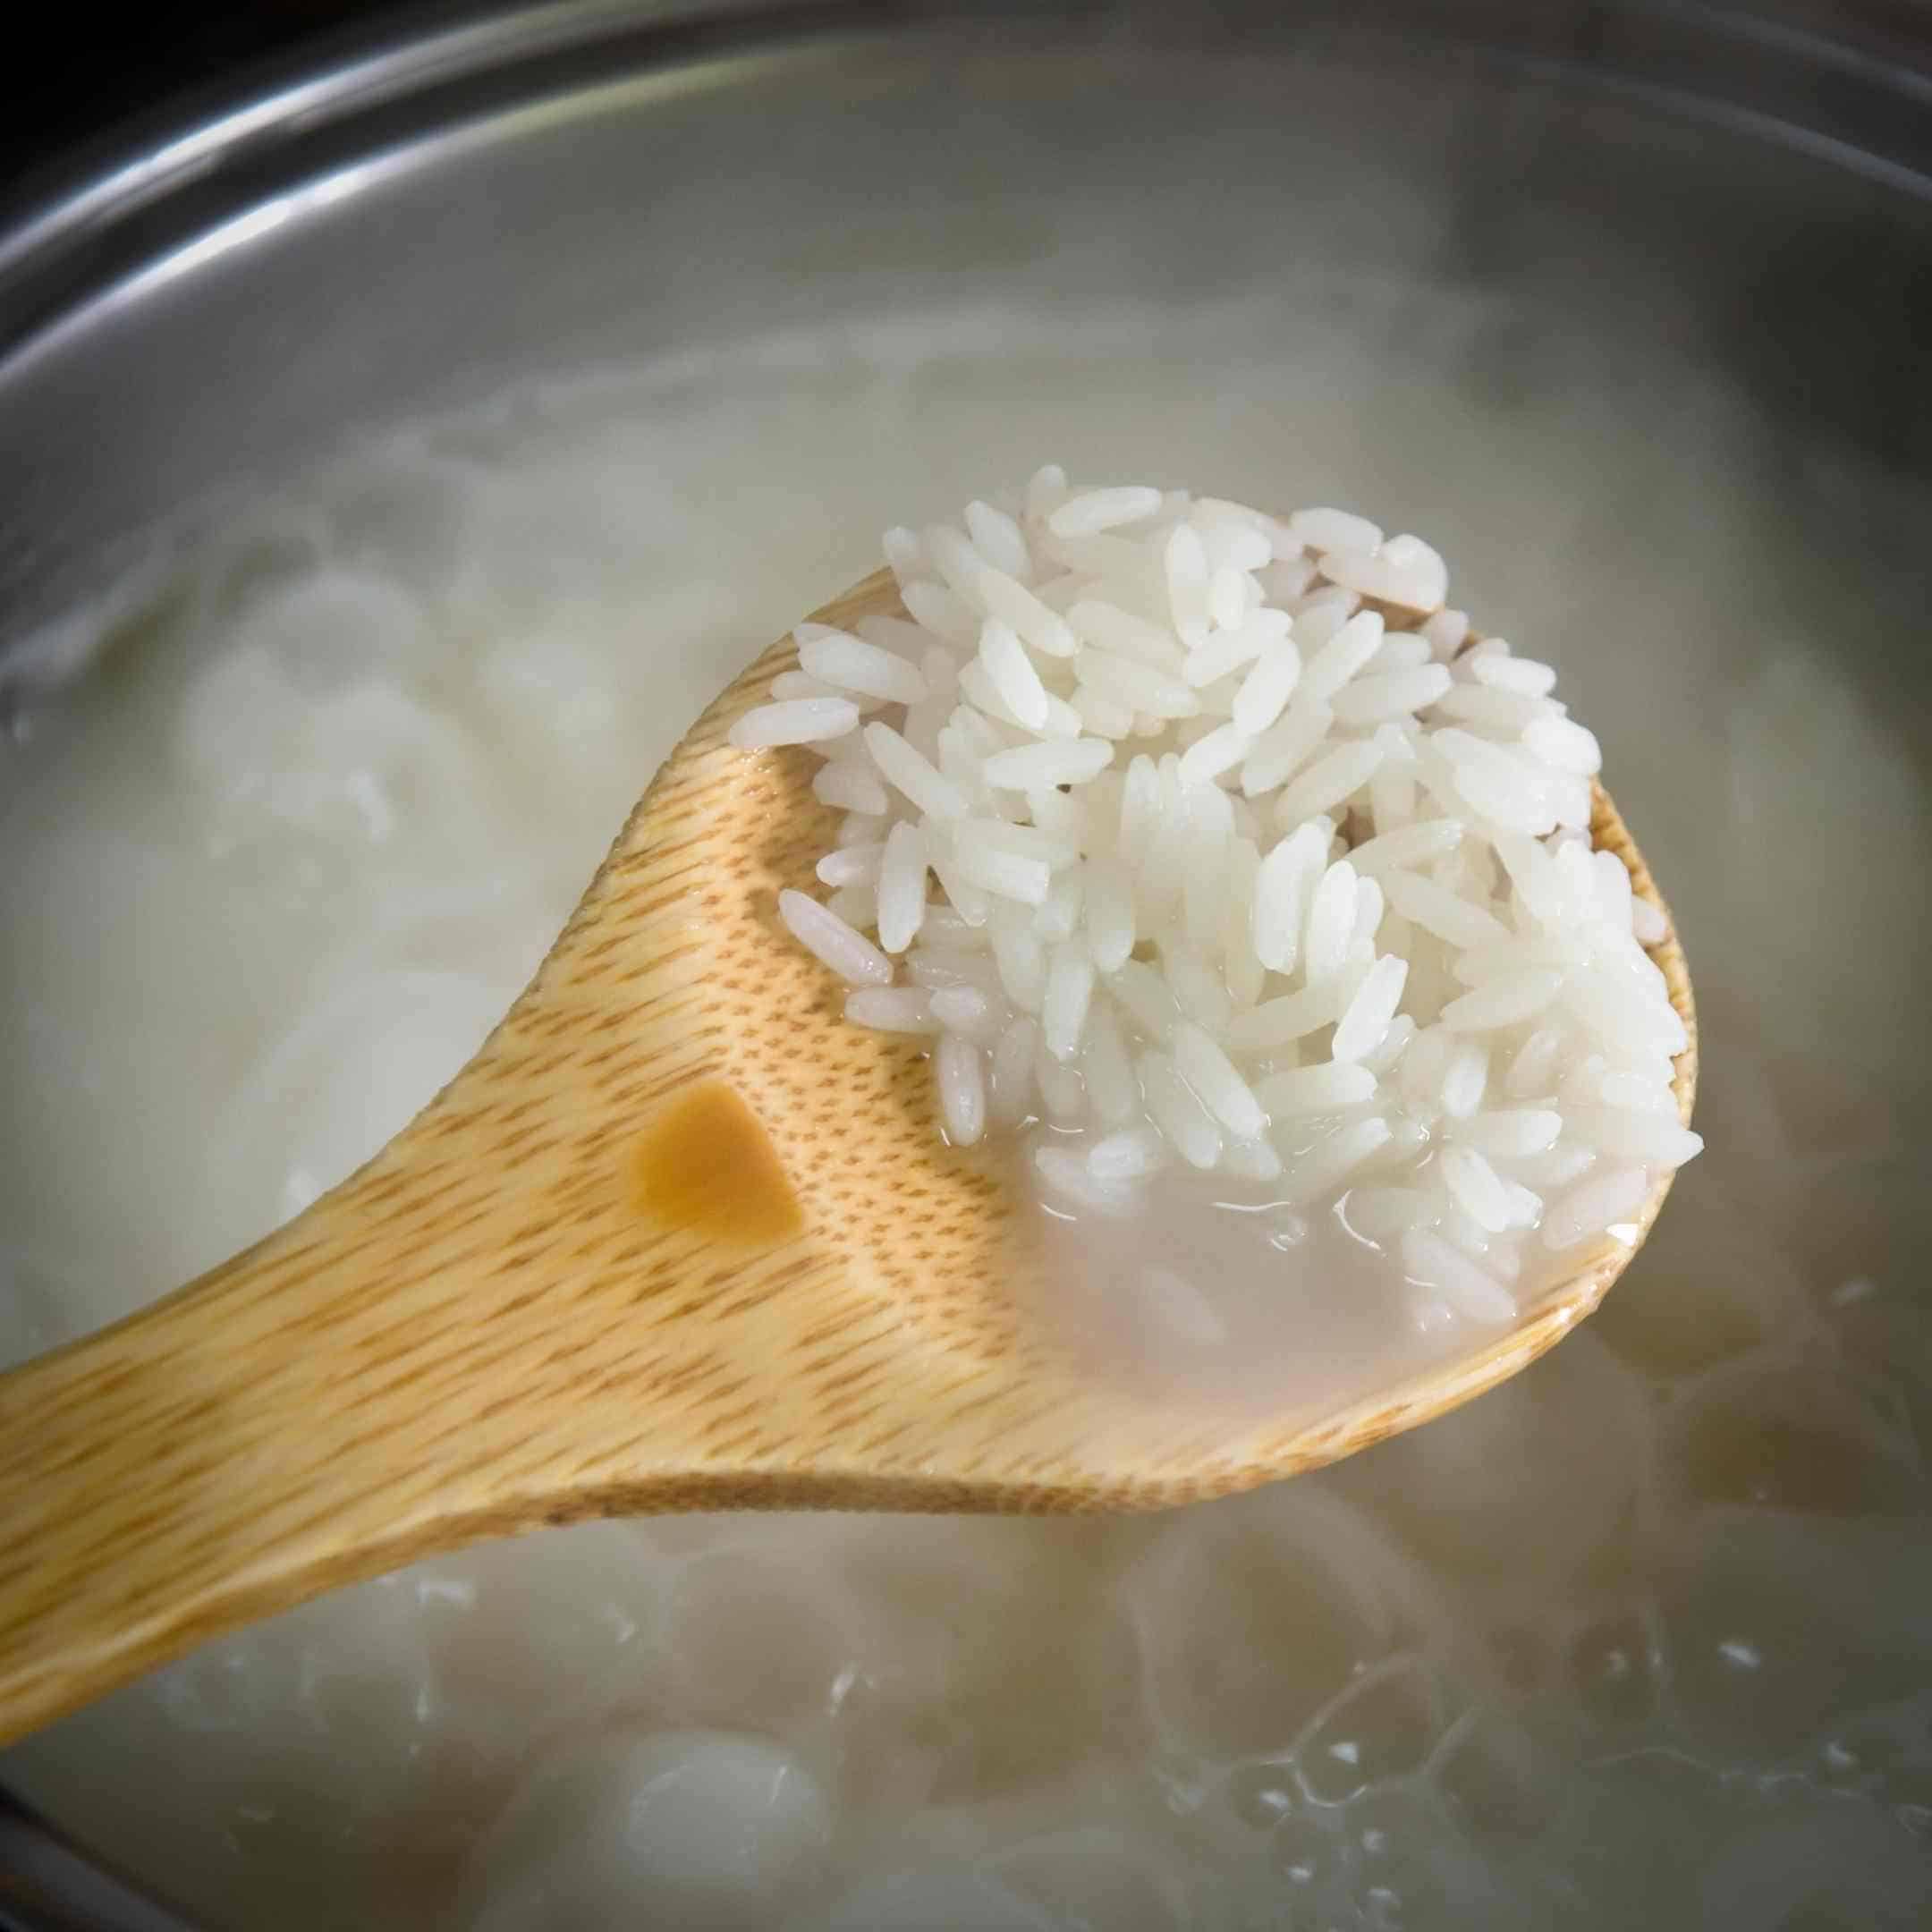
point(434, 216)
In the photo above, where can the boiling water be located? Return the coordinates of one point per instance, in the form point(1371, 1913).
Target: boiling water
point(1642, 1634)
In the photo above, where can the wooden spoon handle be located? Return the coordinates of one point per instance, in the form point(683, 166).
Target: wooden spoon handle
point(313, 1413)
point(525, 1310)
point(486, 1329)
point(425, 1358)
point(169, 1478)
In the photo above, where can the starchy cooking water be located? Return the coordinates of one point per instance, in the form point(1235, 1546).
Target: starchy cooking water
point(1641, 1637)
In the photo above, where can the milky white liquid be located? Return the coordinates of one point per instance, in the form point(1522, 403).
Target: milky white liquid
point(1217, 1294)
point(1639, 1638)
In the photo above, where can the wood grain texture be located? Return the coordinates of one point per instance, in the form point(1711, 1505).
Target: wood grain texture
point(480, 1332)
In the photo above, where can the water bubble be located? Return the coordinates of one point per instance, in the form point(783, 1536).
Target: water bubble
point(1800, 1438)
point(758, 1637)
point(691, 1827)
point(1249, 1617)
point(1304, 1852)
point(1493, 1781)
point(1773, 1621)
point(942, 1709)
point(1406, 1867)
point(1261, 1795)
point(1381, 1729)
point(1612, 1668)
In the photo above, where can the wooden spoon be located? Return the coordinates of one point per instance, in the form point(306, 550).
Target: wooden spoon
point(679, 1237)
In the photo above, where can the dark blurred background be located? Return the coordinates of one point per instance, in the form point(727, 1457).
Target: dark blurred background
point(91, 70)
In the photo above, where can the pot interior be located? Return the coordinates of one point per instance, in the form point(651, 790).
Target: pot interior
point(369, 543)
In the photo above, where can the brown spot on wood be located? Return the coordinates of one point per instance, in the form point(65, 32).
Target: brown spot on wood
point(706, 1165)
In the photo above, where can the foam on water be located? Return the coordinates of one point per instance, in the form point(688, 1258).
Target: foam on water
point(1638, 1637)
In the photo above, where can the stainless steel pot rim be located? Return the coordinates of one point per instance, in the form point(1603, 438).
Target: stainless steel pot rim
point(362, 77)
point(1803, 74)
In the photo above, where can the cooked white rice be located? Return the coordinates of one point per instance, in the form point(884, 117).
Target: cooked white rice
point(1247, 858)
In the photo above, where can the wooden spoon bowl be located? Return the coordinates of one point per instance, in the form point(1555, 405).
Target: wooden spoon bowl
point(679, 1237)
